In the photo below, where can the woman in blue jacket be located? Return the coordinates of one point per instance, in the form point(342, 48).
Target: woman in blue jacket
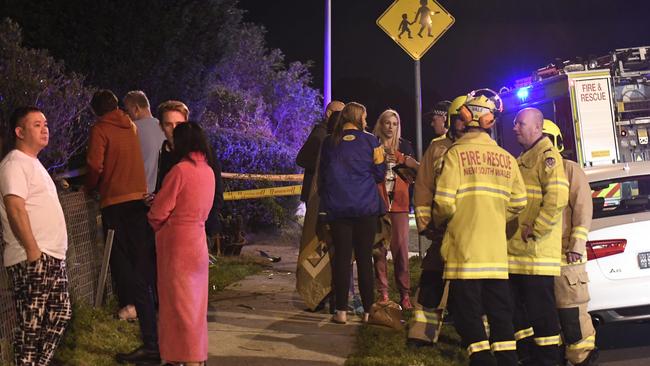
point(351, 165)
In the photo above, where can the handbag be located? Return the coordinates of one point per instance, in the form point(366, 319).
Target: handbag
point(388, 314)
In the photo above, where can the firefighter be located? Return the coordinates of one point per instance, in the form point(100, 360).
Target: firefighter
point(479, 188)
point(571, 289)
point(534, 249)
point(426, 319)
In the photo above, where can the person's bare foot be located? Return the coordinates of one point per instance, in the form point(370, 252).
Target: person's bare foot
point(127, 313)
point(383, 297)
point(406, 303)
point(365, 318)
point(341, 317)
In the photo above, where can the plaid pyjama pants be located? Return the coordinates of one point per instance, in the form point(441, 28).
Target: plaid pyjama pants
point(42, 308)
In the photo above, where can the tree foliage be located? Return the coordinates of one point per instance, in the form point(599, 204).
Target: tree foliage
point(33, 77)
point(197, 51)
point(252, 75)
point(166, 48)
point(243, 152)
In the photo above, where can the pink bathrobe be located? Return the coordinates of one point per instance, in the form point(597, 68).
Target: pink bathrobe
point(178, 217)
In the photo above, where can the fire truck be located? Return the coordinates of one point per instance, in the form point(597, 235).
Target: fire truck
point(602, 106)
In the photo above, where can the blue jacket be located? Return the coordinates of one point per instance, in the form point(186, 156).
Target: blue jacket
point(348, 176)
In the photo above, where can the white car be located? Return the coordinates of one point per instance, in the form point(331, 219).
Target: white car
point(619, 242)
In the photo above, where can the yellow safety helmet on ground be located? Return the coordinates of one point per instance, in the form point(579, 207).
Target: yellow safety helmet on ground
point(452, 112)
point(552, 131)
point(481, 108)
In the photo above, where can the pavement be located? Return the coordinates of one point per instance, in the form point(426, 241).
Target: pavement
point(261, 320)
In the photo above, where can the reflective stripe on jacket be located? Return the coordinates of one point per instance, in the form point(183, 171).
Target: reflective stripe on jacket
point(478, 190)
point(547, 191)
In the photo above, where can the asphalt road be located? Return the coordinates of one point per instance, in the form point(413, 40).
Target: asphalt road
point(624, 344)
point(620, 344)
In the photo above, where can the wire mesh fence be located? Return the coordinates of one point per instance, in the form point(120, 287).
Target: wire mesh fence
point(83, 259)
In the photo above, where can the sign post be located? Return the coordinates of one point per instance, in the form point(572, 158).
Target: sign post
point(418, 110)
point(416, 28)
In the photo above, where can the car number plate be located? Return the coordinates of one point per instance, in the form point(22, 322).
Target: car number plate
point(644, 260)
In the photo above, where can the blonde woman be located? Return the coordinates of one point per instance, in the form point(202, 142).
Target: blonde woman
point(351, 166)
point(395, 192)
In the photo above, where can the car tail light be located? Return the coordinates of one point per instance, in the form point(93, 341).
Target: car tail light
point(603, 248)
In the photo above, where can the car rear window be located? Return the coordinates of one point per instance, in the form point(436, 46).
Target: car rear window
point(620, 196)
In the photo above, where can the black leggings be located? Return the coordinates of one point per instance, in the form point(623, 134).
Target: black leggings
point(356, 234)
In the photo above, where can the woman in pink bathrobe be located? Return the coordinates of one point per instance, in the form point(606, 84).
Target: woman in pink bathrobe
point(178, 217)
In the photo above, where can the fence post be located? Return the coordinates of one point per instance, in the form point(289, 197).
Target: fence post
point(99, 297)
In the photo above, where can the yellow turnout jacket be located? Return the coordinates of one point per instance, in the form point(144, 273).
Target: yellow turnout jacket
point(547, 190)
point(478, 190)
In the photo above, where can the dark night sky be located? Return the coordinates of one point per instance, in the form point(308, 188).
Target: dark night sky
point(492, 43)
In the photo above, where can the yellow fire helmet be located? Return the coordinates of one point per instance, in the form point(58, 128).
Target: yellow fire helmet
point(552, 131)
point(452, 112)
point(481, 108)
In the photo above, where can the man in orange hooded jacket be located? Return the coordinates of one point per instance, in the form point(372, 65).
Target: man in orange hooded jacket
point(116, 170)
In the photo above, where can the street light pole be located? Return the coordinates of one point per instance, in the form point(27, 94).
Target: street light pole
point(327, 67)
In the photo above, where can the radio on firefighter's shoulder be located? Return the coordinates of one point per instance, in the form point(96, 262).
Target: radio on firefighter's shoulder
point(406, 173)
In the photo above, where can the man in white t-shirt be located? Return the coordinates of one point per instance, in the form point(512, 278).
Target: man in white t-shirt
point(36, 241)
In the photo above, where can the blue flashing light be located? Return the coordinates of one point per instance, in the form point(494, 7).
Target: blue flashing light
point(522, 94)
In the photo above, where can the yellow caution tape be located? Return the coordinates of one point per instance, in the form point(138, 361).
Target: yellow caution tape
point(265, 177)
point(262, 192)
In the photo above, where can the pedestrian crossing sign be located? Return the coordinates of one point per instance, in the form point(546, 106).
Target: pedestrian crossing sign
point(415, 25)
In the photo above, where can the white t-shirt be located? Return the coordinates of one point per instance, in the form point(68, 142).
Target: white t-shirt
point(24, 176)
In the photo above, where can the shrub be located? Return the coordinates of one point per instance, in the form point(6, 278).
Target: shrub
point(33, 77)
point(241, 152)
point(237, 109)
point(255, 89)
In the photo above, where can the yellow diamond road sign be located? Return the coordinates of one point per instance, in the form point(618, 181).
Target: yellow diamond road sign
point(415, 24)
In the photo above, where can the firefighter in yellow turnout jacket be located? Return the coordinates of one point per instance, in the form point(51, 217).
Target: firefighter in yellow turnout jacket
point(571, 289)
point(426, 319)
point(534, 250)
point(478, 190)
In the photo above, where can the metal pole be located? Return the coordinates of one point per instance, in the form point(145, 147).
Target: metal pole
point(418, 110)
point(327, 78)
point(103, 273)
point(418, 126)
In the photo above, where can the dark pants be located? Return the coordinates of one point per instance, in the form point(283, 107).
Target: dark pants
point(470, 300)
point(42, 308)
point(431, 288)
point(535, 318)
point(424, 325)
point(348, 236)
point(133, 263)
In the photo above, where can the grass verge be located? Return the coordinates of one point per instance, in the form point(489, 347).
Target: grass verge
point(94, 336)
point(229, 270)
point(377, 345)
